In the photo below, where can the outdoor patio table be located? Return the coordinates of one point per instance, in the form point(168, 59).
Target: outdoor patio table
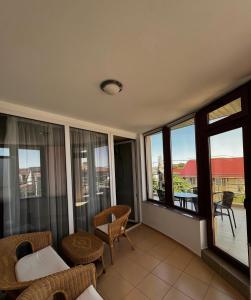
point(184, 196)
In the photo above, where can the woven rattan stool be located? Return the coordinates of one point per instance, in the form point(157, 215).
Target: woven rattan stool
point(82, 248)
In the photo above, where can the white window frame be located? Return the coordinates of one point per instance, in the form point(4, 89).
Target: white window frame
point(40, 115)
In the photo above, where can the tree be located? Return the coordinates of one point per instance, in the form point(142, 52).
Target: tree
point(180, 184)
point(155, 185)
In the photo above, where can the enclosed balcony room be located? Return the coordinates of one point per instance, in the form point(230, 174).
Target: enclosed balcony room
point(125, 142)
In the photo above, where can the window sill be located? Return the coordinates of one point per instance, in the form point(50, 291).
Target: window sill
point(173, 209)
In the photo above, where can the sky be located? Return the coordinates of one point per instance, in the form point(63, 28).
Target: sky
point(31, 158)
point(28, 158)
point(227, 144)
point(101, 157)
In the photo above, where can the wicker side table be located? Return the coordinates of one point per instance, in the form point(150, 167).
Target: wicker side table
point(83, 248)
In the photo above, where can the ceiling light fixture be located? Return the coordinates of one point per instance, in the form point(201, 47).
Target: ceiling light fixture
point(111, 86)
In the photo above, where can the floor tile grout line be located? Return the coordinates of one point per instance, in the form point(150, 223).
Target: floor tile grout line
point(163, 260)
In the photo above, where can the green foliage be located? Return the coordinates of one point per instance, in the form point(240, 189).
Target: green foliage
point(238, 199)
point(180, 184)
point(155, 185)
point(180, 166)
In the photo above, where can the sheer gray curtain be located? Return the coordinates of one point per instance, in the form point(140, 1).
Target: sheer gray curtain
point(90, 169)
point(33, 192)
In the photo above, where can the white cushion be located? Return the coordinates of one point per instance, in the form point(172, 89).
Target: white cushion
point(90, 294)
point(103, 228)
point(39, 264)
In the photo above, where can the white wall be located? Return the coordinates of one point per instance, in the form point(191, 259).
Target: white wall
point(186, 230)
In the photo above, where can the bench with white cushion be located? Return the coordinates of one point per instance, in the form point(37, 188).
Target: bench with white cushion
point(90, 294)
point(39, 264)
point(76, 283)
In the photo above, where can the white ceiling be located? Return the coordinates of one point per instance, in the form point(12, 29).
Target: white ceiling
point(172, 56)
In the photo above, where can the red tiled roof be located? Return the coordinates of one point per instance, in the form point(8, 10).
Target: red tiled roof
point(221, 167)
point(176, 170)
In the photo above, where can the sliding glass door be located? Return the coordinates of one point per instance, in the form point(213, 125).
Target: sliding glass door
point(33, 194)
point(91, 175)
point(225, 167)
point(228, 193)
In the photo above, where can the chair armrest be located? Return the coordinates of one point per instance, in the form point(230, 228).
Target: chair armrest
point(101, 218)
point(71, 283)
point(8, 280)
point(117, 227)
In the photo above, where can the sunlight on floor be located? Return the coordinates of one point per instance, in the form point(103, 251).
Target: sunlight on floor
point(159, 268)
point(236, 246)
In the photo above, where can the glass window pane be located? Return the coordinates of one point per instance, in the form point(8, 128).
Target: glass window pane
point(4, 152)
point(91, 175)
point(33, 193)
point(228, 193)
point(155, 167)
point(225, 111)
point(184, 167)
point(29, 173)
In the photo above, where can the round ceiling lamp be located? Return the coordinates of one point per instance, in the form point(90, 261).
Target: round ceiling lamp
point(111, 86)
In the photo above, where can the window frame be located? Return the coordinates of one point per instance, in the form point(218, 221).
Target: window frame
point(166, 133)
point(177, 122)
point(147, 134)
point(240, 119)
point(203, 129)
point(201, 126)
point(44, 176)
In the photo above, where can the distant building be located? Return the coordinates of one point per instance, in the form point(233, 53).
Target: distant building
point(227, 174)
point(30, 182)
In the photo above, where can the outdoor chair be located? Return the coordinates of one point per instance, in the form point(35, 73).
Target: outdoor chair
point(109, 230)
point(161, 195)
point(24, 258)
point(223, 208)
point(175, 199)
point(195, 190)
point(195, 200)
point(74, 284)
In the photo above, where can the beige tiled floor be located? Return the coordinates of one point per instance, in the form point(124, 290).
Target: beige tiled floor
point(159, 268)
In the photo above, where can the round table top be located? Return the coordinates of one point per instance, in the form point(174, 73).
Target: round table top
point(185, 195)
point(82, 247)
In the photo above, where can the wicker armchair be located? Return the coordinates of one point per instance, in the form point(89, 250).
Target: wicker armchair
point(66, 285)
point(8, 257)
point(114, 229)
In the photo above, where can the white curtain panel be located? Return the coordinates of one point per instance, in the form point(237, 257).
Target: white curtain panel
point(91, 175)
point(33, 192)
